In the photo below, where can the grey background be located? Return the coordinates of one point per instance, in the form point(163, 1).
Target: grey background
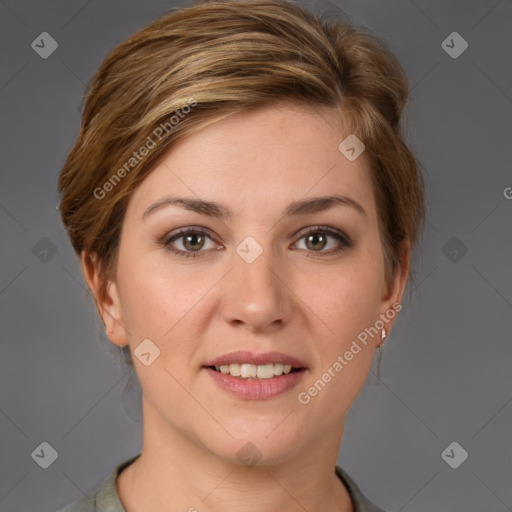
point(445, 372)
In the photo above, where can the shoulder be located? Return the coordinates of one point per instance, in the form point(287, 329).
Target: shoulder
point(360, 501)
point(105, 498)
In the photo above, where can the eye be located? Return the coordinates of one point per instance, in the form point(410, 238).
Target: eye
point(317, 238)
point(191, 240)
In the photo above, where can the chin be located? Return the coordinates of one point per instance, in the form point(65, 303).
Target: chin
point(256, 444)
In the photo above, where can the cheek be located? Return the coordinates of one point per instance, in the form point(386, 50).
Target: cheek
point(348, 303)
point(158, 296)
point(347, 354)
point(348, 299)
point(160, 305)
point(349, 307)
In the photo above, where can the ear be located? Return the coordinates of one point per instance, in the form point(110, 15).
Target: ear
point(106, 298)
point(393, 293)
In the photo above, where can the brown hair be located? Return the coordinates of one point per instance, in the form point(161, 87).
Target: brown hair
point(203, 63)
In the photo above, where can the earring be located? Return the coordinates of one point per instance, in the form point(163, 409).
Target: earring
point(125, 350)
point(383, 336)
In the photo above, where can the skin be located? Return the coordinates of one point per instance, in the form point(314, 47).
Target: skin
point(297, 298)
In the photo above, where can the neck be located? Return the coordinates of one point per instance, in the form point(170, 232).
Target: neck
point(174, 473)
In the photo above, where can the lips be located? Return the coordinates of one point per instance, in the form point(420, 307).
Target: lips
point(255, 376)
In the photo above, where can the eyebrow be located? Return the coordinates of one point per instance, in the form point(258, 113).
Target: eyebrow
point(214, 209)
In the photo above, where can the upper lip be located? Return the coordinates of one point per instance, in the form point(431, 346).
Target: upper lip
point(245, 357)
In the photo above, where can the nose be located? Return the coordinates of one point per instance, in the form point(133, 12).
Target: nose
point(257, 295)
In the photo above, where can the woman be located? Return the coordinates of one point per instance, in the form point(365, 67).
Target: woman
point(244, 207)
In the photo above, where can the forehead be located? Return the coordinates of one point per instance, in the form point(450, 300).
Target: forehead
point(261, 159)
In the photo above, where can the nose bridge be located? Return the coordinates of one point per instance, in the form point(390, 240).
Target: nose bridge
point(257, 295)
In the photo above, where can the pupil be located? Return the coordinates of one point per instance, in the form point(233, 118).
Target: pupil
point(315, 243)
point(193, 237)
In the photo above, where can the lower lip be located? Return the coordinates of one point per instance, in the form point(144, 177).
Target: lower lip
point(256, 389)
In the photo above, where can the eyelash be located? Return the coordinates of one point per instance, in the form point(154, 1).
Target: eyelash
point(345, 240)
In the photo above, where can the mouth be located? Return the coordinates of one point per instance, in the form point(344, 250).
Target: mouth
point(255, 376)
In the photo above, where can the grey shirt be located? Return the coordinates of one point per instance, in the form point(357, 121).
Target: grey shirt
point(106, 498)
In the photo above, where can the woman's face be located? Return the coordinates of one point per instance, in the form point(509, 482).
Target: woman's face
point(245, 267)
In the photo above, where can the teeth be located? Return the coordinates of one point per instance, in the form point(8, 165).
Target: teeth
point(253, 371)
point(265, 371)
point(234, 369)
point(248, 371)
point(278, 369)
